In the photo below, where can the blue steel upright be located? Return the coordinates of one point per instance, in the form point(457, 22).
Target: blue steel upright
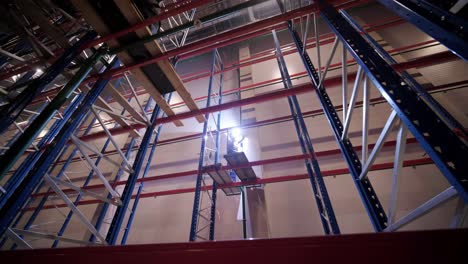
point(196, 200)
point(366, 191)
point(145, 172)
point(11, 111)
point(441, 143)
point(80, 195)
point(30, 182)
point(441, 112)
point(32, 158)
point(214, 189)
point(119, 216)
point(448, 28)
point(325, 208)
point(105, 206)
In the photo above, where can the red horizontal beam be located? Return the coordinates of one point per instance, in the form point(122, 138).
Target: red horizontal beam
point(222, 39)
point(437, 58)
point(279, 119)
point(216, 41)
point(247, 101)
point(312, 43)
point(287, 49)
point(328, 82)
point(434, 246)
point(341, 4)
point(335, 172)
point(237, 65)
point(318, 154)
point(188, 5)
point(272, 120)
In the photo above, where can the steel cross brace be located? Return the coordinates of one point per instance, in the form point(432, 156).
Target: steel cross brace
point(444, 26)
point(105, 206)
point(44, 199)
point(446, 149)
point(24, 190)
point(32, 158)
point(60, 174)
point(88, 179)
point(364, 187)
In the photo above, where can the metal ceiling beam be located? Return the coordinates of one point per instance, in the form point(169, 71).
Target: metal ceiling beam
point(323, 40)
point(171, 11)
point(30, 9)
point(222, 39)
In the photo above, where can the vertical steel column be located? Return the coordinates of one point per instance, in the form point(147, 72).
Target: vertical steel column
point(142, 184)
point(365, 189)
point(327, 215)
point(119, 216)
point(440, 111)
point(17, 149)
point(196, 200)
point(9, 115)
point(214, 189)
point(105, 206)
point(24, 190)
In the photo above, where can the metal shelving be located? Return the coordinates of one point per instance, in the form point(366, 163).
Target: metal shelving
point(82, 114)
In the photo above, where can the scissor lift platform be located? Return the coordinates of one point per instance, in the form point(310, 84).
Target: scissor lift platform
point(222, 177)
point(237, 159)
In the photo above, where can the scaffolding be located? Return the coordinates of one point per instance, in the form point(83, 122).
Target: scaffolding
point(64, 122)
